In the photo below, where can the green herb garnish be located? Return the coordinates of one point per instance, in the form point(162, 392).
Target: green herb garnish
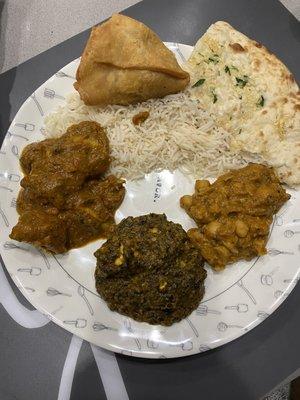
point(261, 101)
point(215, 98)
point(241, 82)
point(213, 60)
point(227, 70)
point(199, 83)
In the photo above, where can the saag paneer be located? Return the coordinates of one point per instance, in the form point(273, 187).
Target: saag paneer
point(150, 271)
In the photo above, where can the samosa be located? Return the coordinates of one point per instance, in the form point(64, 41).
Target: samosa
point(125, 62)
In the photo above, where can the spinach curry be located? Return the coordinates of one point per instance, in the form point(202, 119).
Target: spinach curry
point(149, 270)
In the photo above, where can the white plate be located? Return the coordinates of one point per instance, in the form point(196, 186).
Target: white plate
point(62, 286)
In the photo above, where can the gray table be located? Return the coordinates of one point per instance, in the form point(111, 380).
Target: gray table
point(32, 360)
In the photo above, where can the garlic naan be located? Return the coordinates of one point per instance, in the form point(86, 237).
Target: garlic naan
point(252, 95)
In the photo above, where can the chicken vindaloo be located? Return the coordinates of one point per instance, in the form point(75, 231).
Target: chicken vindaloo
point(65, 201)
point(234, 214)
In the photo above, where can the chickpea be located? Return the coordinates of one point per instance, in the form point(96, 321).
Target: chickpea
point(260, 246)
point(194, 234)
point(186, 201)
point(223, 252)
point(230, 245)
point(241, 228)
point(162, 285)
point(119, 261)
point(212, 228)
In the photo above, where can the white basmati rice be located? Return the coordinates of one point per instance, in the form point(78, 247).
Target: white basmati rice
point(177, 135)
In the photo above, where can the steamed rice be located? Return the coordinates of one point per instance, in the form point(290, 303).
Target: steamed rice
point(177, 135)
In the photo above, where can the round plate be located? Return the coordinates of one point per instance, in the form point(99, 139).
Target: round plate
point(62, 286)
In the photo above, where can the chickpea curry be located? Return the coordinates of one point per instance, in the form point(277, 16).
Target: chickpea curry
point(234, 214)
point(65, 201)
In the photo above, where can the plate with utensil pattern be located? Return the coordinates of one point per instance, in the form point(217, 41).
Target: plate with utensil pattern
point(63, 287)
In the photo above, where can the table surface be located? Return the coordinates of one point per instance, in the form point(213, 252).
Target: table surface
point(40, 362)
point(23, 35)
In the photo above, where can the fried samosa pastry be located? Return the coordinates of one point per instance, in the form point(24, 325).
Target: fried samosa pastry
point(125, 62)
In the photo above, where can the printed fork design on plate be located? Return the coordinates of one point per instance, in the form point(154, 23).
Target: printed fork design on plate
point(248, 293)
point(61, 74)
point(194, 329)
point(26, 126)
point(45, 258)
point(78, 323)
point(278, 219)
point(17, 136)
point(39, 107)
point(204, 347)
point(4, 217)
point(279, 293)
point(262, 315)
point(127, 325)
point(34, 271)
point(222, 326)
point(240, 308)
point(10, 177)
point(203, 310)
point(51, 94)
point(188, 345)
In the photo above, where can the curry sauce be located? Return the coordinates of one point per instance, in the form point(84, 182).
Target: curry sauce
point(234, 214)
point(65, 201)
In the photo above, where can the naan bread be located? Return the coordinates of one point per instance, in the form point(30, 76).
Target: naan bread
point(125, 62)
point(252, 95)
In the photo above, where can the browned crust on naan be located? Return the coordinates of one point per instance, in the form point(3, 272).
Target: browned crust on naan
point(273, 130)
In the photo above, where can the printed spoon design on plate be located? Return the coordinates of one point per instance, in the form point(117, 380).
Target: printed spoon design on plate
point(240, 308)
point(54, 292)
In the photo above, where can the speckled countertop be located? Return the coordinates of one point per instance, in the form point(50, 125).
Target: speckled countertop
point(29, 27)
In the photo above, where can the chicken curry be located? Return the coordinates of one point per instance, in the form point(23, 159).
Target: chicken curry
point(65, 201)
